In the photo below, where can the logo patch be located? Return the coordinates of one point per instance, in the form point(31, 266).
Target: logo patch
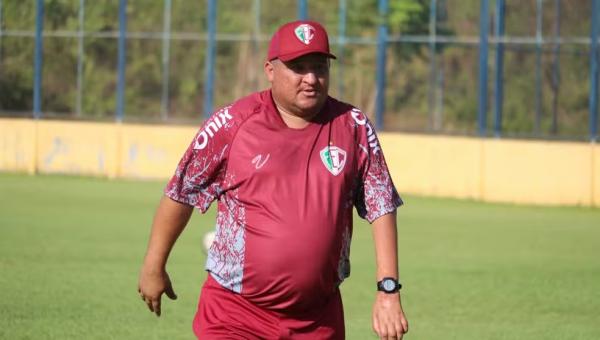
point(334, 159)
point(305, 33)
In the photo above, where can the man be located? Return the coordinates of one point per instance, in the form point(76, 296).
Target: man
point(286, 166)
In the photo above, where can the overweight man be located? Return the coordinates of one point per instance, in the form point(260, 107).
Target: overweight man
point(286, 167)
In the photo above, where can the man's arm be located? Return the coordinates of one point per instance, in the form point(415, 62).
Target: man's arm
point(389, 321)
point(169, 221)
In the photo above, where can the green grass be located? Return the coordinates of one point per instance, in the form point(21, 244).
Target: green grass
point(70, 251)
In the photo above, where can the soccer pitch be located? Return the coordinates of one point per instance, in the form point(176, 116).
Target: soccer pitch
point(71, 248)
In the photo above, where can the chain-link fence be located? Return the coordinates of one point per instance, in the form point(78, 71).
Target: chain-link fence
point(504, 67)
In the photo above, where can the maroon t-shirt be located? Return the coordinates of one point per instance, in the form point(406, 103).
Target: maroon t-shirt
point(285, 197)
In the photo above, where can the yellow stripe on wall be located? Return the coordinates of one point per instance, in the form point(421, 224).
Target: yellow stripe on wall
point(495, 170)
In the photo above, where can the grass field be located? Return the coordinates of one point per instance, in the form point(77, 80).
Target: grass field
point(70, 250)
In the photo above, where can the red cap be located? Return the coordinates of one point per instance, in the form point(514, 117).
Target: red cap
point(298, 38)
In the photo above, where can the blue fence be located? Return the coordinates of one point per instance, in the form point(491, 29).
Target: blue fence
point(431, 44)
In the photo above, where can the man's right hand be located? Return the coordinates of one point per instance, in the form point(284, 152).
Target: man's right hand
point(169, 221)
point(152, 284)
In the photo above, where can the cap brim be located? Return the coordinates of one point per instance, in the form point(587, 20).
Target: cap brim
point(292, 56)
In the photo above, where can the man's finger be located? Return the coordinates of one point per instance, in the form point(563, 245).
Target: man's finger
point(391, 332)
point(384, 332)
point(400, 328)
point(156, 306)
point(376, 326)
point(399, 331)
point(404, 323)
point(149, 304)
point(170, 292)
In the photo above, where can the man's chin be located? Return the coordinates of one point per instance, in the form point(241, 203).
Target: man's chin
point(309, 112)
point(311, 106)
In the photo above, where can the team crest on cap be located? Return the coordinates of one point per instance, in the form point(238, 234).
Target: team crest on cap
point(334, 159)
point(305, 33)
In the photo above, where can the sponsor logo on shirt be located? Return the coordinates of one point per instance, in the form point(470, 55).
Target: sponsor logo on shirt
point(212, 127)
point(305, 33)
point(360, 119)
point(334, 159)
point(259, 161)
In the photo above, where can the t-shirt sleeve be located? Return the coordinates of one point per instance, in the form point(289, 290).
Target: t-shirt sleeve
point(376, 194)
point(200, 174)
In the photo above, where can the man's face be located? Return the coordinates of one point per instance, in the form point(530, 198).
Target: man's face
point(300, 86)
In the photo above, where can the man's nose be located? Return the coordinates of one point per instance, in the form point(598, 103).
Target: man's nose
point(310, 77)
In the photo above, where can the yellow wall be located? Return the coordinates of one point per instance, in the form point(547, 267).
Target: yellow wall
point(17, 145)
point(77, 148)
point(596, 174)
point(537, 172)
point(496, 170)
point(152, 151)
point(434, 166)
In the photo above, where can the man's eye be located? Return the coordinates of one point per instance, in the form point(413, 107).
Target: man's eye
point(302, 68)
point(321, 68)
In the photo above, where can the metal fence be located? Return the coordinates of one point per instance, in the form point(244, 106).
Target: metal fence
point(489, 68)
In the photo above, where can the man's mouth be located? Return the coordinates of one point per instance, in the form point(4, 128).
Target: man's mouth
point(309, 92)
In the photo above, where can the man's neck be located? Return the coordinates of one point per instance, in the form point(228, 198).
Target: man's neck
point(293, 121)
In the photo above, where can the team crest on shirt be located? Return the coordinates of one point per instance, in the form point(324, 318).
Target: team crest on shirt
point(334, 159)
point(305, 33)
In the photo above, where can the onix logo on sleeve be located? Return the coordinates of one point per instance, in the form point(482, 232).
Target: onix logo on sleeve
point(305, 33)
point(360, 119)
point(334, 159)
point(211, 128)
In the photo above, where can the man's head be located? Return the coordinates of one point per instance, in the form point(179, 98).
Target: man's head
point(297, 67)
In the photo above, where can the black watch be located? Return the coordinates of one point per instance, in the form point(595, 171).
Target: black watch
point(388, 285)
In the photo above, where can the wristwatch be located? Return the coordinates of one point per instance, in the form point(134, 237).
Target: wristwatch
point(388, 285)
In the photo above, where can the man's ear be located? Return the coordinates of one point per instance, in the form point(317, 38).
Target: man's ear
point(269, 70)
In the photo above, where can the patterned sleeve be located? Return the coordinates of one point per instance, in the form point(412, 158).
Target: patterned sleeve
point(198, 179)
point(376, 194)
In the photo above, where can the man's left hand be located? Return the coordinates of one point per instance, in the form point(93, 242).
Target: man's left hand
point(389, 321)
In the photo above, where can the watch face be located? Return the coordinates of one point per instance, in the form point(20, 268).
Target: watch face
point(389, 285)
